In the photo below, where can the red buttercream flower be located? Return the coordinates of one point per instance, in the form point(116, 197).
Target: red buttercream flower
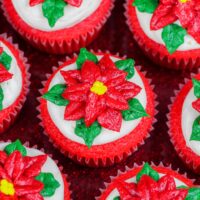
point(98, 92)
point(75, 3)
point(147, 188)
point(186, 11)
point(17, 176)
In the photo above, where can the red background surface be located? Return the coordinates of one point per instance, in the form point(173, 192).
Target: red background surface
point(115, 37)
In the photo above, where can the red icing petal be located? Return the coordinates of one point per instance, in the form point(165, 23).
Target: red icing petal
point(74, 111)
point(147, 187)
point(114, 77)
point(128, 190)
point(3, 174)
point(14, 165)
point(5, 197)
point(196, 105)
point(28, 186)
point(71, 77)
point(4, 74)
point(174, 194)
point(76, 3)
point(90, 72)
point(33, 165)
point(32, 197)
point(35, 2)
point(3, 157)
point(115, 100)
point(1, 50)
point(36, 196)
point(94, 106)
point(128, 89)
point(163, 16)
point(111, 119)
point(194, 28)
point(185, 13)
point(166, 183)
point(106, 63)
point(77, 92)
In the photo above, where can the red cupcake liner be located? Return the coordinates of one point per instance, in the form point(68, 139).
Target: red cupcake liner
point(8, 115)
point(62, 41)
point(191, 159)
point(109, 153)
point(131, 172)
point(67, 191)
point(157, 52)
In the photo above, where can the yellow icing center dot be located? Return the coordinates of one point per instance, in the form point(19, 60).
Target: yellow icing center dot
point(183, 1)
point(6, 187)
point(98, 88)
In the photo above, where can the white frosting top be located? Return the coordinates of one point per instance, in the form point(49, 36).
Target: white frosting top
point(49, 166)
point(34, 17)
point(145, 19)
point(67, 127)
point(115, 192)
point(12, 87)
point(189, 114)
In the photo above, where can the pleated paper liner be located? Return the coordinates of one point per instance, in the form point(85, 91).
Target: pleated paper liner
point(175, 130)
point(8, 115)
point(98, 155)
point(132, 172)
point(62, 41)
point(67, 185)
point(156, 52)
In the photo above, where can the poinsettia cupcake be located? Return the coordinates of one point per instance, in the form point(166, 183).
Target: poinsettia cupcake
point(156, 182)
point(60, 26)
point(184, 123)
point(168, 31)
point(97, 108)
point(29, 174)
point(14, 82)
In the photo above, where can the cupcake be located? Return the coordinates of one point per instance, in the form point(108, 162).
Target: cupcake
point(58, 27)
point(97, 108)
point(14, 82)
point(184, 123)
point(29, 174)
point(167, 31)
point(156, 182)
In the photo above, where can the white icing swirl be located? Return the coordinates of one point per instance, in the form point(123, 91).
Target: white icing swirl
point(34, 17)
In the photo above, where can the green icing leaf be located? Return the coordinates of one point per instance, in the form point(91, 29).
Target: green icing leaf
point(147, 6)
point(126, 65)
point(15, 146)
point(85, 55)
point(147, 170)
point(87, 133)
point(50, 184)
point(5, 60)
point(116, 198)
point(1, 98)
point(196, 85)
point(173, 36)
point(53, 10)
point(193, 194)
point(135, 110)
point(196, 130)
point(54, 95)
